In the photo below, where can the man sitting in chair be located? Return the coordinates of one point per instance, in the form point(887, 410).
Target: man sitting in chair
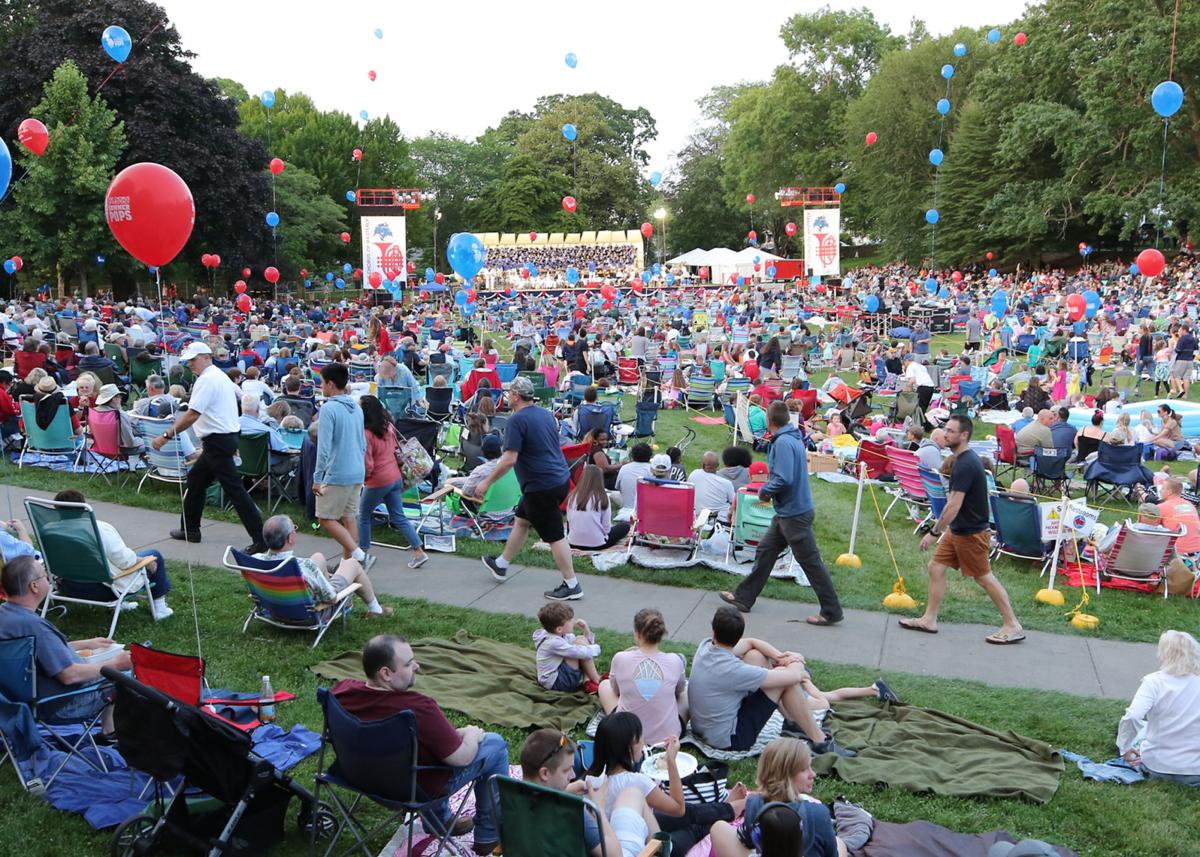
point(325, 578)
point(474, 755)
point(60, 663)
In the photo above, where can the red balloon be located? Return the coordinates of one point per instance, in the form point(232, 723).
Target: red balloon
point(244, 303)
point(271, 275)
point(357, 275)
point(375, 279)
point(581, 300)
point(578, 315)
point(990, 255)
point(636, 285)
point(439, 278)
point(871, 138)
point(1082, 245)
point(357, 153)
point(18, 262)
point(757, 266)
point(790, 229)
point(1077, 307)
point(568, 202)
point(752, 235)
point(524, 273)
point(1151, 262)
point(371, 75)
point(245, 272)
point(956, 276)
point(412, 267)
point(150, 212)
point(749, 199)
point(33, 136)
point(647, 229)
point(1020, 39)
point(206, 260)
point(304, 272)
point(240, 287)
point(345, 237)
point(471, 295)
point(276, 166)
point(533, 236)
point(216, 260)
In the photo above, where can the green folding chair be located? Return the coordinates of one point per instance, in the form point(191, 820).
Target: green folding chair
point(501, 498)
point(116, 354)
point(255, 453)
point(57, 439)
point(140, 370)
point(73, 552)
point(751, 519)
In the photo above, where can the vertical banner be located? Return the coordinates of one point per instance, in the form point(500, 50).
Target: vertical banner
point(822, 235)
point(383, 248)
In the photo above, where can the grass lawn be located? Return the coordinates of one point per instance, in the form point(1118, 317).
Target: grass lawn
point(1100, 820)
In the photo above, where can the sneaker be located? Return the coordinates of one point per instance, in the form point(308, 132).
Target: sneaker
point(562, 592)
point(886, 694)
point(464, 825)
point(831, 746)
point(181, 536)
point(418, 561)
point(498, 573)
point(368, 561)
point(164, 613)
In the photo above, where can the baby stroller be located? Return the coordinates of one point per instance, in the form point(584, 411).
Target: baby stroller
point(244, 797)
point(855, 411)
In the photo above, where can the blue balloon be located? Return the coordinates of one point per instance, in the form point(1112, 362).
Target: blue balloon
point(943, 106)
point(943, 292)
point(468, 309)
point(362, 114)
point(99, 259)
point(935, 157)
point(339, 283)
point(572, 275)
point(1167, 98)
point(840, 187)
point(429, 275)
point(931, 285)
point(960, 50)
point(152, 269)
point(655, 178)
point(993, 35)
point(272, 219)
point(10, 267)
point(116, 42)
point(329, 276)
point(670, 278)
point(872, 303)
point(991, 272)
point(656, 268)
point(466, 254)
point(757, 259)
point(5, 167)
point(932, 216)
point(460, 297)
point(999, 302)
point(947, 71)
point(378, 33)
point(1133, 269)
point(569, 132)
point(741, 281)
point(533, 269)
point(347, 268)
point(267, 98)
point(308, 284)
point(814, 280)
point(646, 277)
point(772, 271)
point(571, 60)
point(351, 196)
point(1091, 303)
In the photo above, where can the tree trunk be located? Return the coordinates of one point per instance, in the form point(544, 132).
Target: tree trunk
point(83, 281)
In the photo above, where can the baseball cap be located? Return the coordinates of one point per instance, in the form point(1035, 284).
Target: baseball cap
point(660, 462)
point(522, 387)
point(491, 446)
point(758, 468)
point(193, 350)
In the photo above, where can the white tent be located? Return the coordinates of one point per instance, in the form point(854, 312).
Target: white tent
point(691, 258)
point(724, 263)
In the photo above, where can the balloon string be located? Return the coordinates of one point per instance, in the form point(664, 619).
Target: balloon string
point(1174, 30)
point(1162, 177)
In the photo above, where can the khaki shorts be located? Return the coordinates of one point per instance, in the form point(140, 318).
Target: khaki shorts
point(338, 501)
point(1181, 369)
point(969, 553)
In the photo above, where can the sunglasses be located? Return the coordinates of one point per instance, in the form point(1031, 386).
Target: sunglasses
point(563, 743)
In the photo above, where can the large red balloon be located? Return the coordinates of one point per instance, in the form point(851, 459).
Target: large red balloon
point(647, 229)
point(871, 138)
point(752, 235)
point(345, 237)
point(271, 275)
point(990, 255)
point(304, 272)
point(471, 295)
point(18, 262)
point(206, 260)
point(790, 229)
point(33, 136)
point(1151, 262)
point(375, 279)
point(524, 273)
point(581, 300)
point(568, 202)
point(244, 303)
point(150, 212)
point(1020, 39)
point(956, 276)
point(277, 165)
point(1076, 306)
point(240, 287)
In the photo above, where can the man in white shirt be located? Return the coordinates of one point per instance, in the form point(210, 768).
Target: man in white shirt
point(713, 492)
point(638, 467)
point(213, 415)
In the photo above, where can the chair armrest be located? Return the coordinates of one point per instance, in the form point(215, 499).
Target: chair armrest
point(651, 848)
point(136, 567)
point(444, 491)
point(345, 593)
point(702, 518)
point(74, 691)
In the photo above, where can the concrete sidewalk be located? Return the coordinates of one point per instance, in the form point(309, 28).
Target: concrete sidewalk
point(1065, 662)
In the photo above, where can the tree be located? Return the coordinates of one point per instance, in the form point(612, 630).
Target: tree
point(310, 223)
point(172, 116)
point(56, 211)
point(840, 50)
point(456, 173)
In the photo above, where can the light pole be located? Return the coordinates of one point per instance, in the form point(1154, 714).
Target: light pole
point(437, 215)
point(660, 215)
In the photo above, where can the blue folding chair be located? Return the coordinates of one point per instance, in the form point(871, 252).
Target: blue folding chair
point(378, 760)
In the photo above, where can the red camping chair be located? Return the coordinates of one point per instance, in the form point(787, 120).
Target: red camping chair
point(665, 516)
point(808, 402)
point(576, 455)
point(25, 362)
point(1006, 451)
point(182, 677)
point(874, 455)
point(844, 394)
point(628, 371)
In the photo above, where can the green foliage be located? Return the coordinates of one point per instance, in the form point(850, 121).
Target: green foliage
point(840, 50)
point(53, 211)
point(311, 223)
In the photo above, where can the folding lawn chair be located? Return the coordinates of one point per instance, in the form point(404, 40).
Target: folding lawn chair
point(874, 455)
point(700, 391)
point(935, 491)
point(101, 446)
point(395, 400)
point(1018, 520)
point(378, 760)
point(908, 487)
point(1007, 460)
point(629, 372)
point(254, 451)
point(74, 554)
point(591, 416)
point(1116, 469)
point(665, 517)
point(57, 439)
point(791, 367)
point(439, 399)
point(750, 519)
point(1139, 553)
point(579, 384)
point(1049, 472)
point(168, 464)
point(282, 598)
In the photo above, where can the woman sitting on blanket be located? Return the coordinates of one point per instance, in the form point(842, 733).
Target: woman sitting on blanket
point(1160, 732)
point(785, 777)
point(648, 682)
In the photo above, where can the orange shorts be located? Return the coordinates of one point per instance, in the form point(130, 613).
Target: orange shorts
point(969, 553)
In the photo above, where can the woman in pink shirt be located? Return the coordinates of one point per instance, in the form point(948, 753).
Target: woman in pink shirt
point(383, 482)
point(648, 682)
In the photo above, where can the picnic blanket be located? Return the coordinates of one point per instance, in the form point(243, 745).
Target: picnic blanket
point(709, 421)
point(711, 554)
point(489, 681)
point(925, 750)
point(925, 839)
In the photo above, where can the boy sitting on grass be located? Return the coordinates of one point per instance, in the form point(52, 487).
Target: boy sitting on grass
point(564, 659)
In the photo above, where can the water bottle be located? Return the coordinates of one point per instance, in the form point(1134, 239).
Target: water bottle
point(266, 701)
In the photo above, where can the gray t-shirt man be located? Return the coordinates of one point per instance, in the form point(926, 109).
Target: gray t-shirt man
point(718, 684)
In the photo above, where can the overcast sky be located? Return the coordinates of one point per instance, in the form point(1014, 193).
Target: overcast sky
point(458, 66)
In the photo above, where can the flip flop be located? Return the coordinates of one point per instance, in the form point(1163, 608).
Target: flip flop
point(910, 625)
point(1004, 639)
point(821, 621)
point(728, 598)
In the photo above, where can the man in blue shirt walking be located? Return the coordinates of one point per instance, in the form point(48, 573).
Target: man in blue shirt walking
point(789, 491)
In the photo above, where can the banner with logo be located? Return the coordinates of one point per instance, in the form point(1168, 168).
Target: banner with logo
point(822, 236)
point(383, 248)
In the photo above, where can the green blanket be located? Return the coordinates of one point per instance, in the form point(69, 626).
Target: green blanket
point(924, 750)
point(490, 682)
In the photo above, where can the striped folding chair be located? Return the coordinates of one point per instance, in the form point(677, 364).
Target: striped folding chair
point(700, 389)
